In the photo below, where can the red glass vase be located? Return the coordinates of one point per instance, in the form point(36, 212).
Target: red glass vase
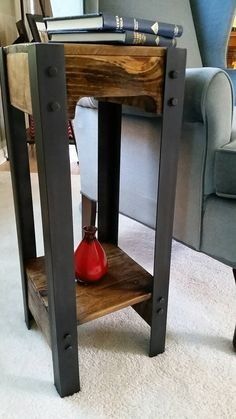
point(90, 257)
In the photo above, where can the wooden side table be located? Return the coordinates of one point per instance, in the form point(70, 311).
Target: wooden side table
point(47, 80)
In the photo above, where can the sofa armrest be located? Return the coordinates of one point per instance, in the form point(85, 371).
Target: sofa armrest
point(88, 102)
point(208, 91)
point(209, 104)
point(232, 74)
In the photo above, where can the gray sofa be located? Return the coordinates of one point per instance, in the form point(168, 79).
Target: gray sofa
point(205, 211)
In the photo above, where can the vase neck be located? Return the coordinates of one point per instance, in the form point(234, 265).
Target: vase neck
point(89, 233)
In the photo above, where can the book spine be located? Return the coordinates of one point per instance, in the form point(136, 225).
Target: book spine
point(140, 38)
point(141, 25)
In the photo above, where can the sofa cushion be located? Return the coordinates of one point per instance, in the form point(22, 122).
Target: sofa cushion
point(91, 102)
point(225, 170)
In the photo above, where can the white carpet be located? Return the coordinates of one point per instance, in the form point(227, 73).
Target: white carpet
point(194, 378)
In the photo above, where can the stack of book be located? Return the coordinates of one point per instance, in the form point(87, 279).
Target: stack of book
point(107, 29)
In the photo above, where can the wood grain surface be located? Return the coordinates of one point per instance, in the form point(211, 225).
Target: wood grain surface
point(124, 74)
point(18, 80)
point(120, 74)
point(126, 284)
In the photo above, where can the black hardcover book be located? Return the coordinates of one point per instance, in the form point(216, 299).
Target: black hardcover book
point(111, 37)
point(103, 21)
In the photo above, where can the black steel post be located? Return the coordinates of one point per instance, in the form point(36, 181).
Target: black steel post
point(14, 120)
point(171, 128)
point(48, 91)
point(109, 133)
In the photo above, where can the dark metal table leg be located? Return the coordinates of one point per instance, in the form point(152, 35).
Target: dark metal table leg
point(171, 128)
point(109, 135)
point(20, 175)
point(48, 90)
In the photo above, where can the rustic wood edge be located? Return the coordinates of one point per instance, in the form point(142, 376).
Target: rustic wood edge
point(88, 49)
point(147, 100)
point(39, 311)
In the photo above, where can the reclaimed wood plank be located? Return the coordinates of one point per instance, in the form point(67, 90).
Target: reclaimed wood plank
point(18, 81)
point(126, 284)
point(113, 78)
point(104, 71)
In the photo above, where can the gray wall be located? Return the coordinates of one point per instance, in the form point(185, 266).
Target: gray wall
point(66, 8)
point(8, 32)
point(91, 6)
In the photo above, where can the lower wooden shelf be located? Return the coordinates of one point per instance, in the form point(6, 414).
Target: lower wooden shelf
point(126, 284)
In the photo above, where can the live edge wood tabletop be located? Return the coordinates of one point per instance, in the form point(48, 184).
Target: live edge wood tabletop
point(47, 80)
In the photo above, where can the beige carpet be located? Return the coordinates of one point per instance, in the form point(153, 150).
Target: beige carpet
point(194, 378)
